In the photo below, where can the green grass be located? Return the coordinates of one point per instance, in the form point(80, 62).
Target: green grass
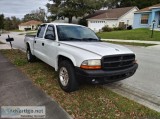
point(17, 30)
point(130, 43)
point(89, 102)
point(136, 34)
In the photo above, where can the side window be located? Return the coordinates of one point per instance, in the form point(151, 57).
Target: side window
point(41, 31)
point(50, 33)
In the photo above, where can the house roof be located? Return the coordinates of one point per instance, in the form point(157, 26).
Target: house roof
point(148, 8)
point(110, 14)
point(32, 22)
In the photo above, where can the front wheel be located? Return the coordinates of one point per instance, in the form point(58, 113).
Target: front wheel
point(66, 77)
point(30, 57)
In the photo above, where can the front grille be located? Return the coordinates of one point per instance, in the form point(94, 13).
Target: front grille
point(116, 62)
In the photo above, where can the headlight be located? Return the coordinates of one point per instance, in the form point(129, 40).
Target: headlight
point(91, 64)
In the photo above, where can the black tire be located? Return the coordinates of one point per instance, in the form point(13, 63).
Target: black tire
point(72, 83)
point(30, 57)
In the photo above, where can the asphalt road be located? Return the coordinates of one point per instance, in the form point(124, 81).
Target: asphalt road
point(18, 39)
point(145, 84)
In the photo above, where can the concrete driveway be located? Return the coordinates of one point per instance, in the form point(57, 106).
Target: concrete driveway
point(143, 87)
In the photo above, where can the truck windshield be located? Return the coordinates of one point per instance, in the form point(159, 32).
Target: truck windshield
point(75, 33)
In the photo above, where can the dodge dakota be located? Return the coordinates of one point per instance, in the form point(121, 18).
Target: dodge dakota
point(78, 55)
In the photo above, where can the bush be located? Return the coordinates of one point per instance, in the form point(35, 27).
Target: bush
point(129, 27)
point(107, 29)
point(82, 22)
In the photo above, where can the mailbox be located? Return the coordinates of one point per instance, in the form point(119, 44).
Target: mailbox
point(9, 39)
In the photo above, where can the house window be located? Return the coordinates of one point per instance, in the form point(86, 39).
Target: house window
point(144, 18)
point(159, 20)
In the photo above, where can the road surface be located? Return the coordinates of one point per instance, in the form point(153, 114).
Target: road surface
point(144, 86)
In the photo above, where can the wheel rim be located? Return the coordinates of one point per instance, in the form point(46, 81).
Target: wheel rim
point(28, 55)
point(63, 76)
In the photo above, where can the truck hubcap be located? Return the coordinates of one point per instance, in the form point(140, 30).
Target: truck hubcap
point(63, 76)
point(28, 55)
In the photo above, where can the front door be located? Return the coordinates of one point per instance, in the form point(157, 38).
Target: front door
point(50, 45)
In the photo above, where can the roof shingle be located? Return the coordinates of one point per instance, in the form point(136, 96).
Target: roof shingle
point(110, 14)
point(148, 8)
point(32, 22)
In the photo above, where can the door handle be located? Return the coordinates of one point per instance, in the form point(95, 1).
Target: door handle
point(42, 44)
point(34, 41)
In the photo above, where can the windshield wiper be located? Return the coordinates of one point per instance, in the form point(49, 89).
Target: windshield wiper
point(90, 39)
point(74, 39)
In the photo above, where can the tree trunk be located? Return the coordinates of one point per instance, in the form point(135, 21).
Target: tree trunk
point(70, 19)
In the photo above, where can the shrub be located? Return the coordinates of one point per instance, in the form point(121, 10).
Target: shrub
point(129, 27)
point(107, 29)
point(82, 22)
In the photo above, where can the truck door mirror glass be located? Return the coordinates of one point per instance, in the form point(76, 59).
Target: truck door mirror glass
point(50, 36)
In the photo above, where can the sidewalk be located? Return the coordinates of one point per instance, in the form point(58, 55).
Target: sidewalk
point(5, 46)
point(136, 41)
point(17, 90)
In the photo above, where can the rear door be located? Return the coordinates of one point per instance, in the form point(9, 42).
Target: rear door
point(39, 42)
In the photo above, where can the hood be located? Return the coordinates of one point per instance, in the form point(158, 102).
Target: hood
point(100, 48)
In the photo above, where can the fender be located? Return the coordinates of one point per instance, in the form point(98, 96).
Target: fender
point(69, 56)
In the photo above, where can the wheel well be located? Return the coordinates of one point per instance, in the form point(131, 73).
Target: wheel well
point(27, 46)
point(62, 58)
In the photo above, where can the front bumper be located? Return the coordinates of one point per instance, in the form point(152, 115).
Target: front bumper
point(103, 76)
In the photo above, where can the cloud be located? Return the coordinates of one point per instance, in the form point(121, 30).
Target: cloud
point(19, 8)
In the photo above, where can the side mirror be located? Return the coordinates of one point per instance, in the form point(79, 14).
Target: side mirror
point(50, 36)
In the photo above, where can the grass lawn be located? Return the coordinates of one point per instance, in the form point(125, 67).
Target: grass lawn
point(89, 102)
point(17, 30)
point(136, 34)
point(130, 43)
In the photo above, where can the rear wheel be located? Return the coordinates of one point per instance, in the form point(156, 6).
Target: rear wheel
point(66, 76)
point(30, 57)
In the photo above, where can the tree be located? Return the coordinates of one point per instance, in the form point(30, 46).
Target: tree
point(140, 4)
point(38, 15)
point(7, 24)
point(15, 22)
point(11, 23)
point(1, 21)
point(70, 8)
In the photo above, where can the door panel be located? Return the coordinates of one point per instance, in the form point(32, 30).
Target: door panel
point(39, 40)
point(50, 45)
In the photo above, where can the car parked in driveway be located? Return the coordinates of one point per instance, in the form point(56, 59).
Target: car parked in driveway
point(78, 54)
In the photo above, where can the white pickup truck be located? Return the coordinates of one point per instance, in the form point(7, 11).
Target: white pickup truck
point(79, 55)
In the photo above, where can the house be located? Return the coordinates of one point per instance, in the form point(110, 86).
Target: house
point(30, 25)
point(118, 17)
point(144, 18)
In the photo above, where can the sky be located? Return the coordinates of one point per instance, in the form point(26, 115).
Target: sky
point(19, 8)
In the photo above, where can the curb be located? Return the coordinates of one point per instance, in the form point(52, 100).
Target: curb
point(134, 41)
point(137, 95)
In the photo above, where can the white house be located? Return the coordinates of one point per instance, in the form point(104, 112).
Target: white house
point(30, 25)
point(118, 17)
